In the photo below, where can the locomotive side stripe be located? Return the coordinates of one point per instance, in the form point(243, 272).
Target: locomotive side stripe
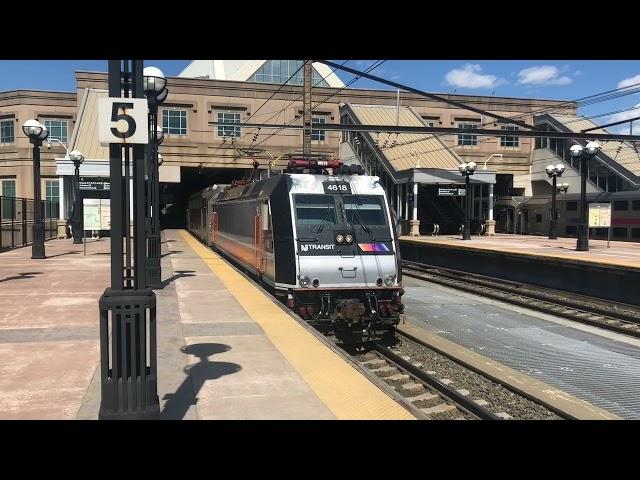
point(344, 390)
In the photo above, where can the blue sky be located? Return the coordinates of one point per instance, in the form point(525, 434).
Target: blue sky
point(556, 79)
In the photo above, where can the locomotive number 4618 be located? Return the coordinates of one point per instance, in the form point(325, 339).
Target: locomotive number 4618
point(337, 187)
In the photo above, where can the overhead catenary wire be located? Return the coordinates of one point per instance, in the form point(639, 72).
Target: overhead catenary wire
point(351, 82)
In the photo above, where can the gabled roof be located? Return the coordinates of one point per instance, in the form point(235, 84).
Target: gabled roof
point(406, 151)
point(242, 70)
point(623, 154)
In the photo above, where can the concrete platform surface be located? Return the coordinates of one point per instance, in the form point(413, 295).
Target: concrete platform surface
point(225, 349)
point(623, 254)
point(49, 347)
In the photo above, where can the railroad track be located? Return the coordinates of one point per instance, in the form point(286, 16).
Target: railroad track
point(600, 313)
point(420, 389)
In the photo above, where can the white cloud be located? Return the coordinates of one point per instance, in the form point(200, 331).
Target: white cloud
point(469, 76)
point(542, 75)
point(629, 81)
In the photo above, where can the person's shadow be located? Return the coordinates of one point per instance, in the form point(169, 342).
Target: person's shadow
point(178, 403)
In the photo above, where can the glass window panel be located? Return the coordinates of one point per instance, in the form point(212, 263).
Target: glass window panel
point(365, 208)
point(229, 131)
point(7, 131)
point(318, 135)
point(513, 141)
point(465, 138)
point(174, 122)
point(315, 209)
point(57, 129)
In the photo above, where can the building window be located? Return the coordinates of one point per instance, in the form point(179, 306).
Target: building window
point(57, 129)
point(8, 189)
point(620, 205)
point(572, 206)
point(509, 141)
point(636, 204)
point(6, 131)
point(228, 131)
point(635, 233)
point(318, 135)
point(174, 122)
point(279, 71)
point(538, 218)
point(466, 138)
point(52, 191)
point(570, 230)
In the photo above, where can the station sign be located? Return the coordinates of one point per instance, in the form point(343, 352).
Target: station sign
point(123, 120)
point(94, 185)
point(599, 215)
point(452, 192)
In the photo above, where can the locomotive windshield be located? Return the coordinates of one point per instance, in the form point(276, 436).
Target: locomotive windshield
point(368, 207)
point(315, 209)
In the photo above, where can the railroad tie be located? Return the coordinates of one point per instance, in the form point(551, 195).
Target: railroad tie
point(441, 408)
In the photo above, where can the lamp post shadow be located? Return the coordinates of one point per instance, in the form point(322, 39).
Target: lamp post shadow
point(179, 402)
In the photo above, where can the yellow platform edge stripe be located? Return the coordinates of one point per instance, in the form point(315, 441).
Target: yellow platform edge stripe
point(345, 391)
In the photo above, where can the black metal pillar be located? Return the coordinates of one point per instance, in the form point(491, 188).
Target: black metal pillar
point(78, 220)
point(466, 233)
point(582, 244)
point(37, 248)
point(127, 310)
point(153, 268)
point(554, 215)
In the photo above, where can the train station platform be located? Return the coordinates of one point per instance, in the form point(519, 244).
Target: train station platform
point(620, 254)
point(536, 260)
point(226, 350)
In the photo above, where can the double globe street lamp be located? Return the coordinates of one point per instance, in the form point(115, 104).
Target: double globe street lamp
point(37, 134)
point(154, 83)
point(554, 171)
point(77, 221)
point(584, 154)
point(467, 169)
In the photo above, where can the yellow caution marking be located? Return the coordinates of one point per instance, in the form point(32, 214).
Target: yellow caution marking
point(345, 391)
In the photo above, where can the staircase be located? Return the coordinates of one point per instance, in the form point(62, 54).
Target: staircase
point(445, 211)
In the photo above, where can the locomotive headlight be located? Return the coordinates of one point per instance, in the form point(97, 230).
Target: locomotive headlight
point(389, 280)
point(348, 238)
point(304, 281)
point(339, 238)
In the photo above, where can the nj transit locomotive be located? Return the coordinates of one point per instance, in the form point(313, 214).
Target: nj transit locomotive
point(324, 244)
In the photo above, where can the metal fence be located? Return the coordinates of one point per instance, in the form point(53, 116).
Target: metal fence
point(16, 217)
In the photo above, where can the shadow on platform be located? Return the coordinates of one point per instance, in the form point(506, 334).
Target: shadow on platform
point(176, 275)
point(21, 276)
point(186, 395)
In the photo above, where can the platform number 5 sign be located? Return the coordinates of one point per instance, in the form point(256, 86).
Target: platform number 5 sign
point(123, 120)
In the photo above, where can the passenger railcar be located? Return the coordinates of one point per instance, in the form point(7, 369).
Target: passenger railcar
point(531, 215)
point(325, 244)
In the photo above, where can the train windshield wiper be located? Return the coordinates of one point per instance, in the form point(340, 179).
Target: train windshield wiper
point(324, 219)
point(362, 224)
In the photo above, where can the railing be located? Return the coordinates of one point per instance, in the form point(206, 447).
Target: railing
point(16, 221)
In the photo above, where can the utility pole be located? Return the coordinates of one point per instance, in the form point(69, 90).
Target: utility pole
point(306, 115)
